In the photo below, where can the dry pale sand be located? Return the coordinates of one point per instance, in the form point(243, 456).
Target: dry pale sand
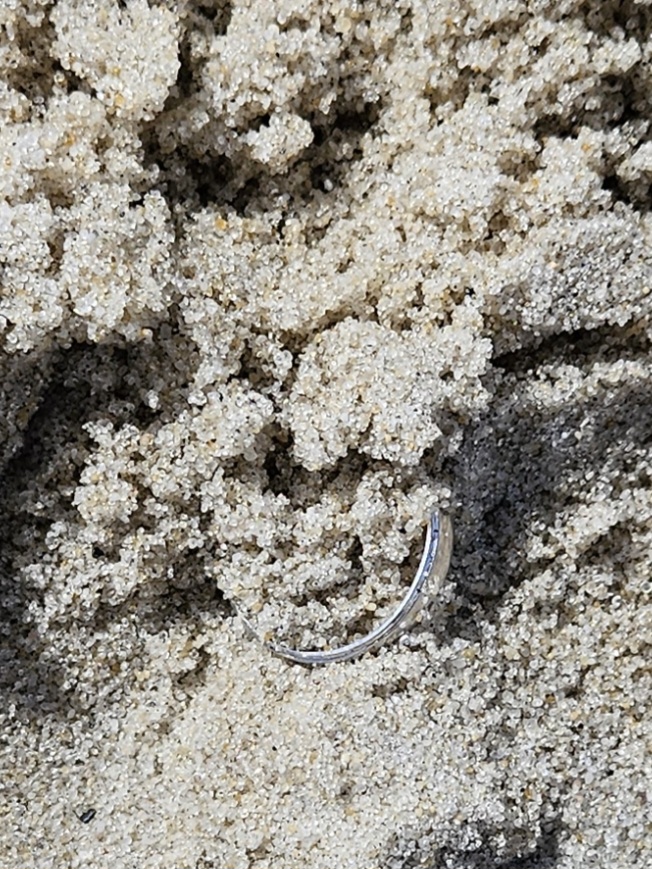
point(275, 278)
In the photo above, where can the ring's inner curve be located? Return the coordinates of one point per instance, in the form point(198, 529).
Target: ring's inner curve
point(427, 579)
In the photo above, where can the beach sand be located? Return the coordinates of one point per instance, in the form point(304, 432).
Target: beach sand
point(276, 279)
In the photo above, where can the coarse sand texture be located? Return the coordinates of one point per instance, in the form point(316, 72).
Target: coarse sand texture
point(278, 277)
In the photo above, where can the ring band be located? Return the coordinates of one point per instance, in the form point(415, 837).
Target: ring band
point(432, 569)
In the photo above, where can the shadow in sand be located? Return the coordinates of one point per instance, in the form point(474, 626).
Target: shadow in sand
point(407, 852)
point(40, 468)
point(518, 462)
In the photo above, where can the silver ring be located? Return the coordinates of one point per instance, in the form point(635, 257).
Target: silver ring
point(432, 570)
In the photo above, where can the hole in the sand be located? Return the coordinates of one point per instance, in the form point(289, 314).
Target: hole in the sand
point(218, 12)
point(194, 178)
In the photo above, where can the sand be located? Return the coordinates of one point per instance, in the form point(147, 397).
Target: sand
point(275, 280)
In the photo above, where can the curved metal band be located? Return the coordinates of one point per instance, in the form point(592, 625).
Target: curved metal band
point(432, 568)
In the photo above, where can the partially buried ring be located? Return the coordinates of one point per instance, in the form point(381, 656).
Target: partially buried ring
point(432, 569)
